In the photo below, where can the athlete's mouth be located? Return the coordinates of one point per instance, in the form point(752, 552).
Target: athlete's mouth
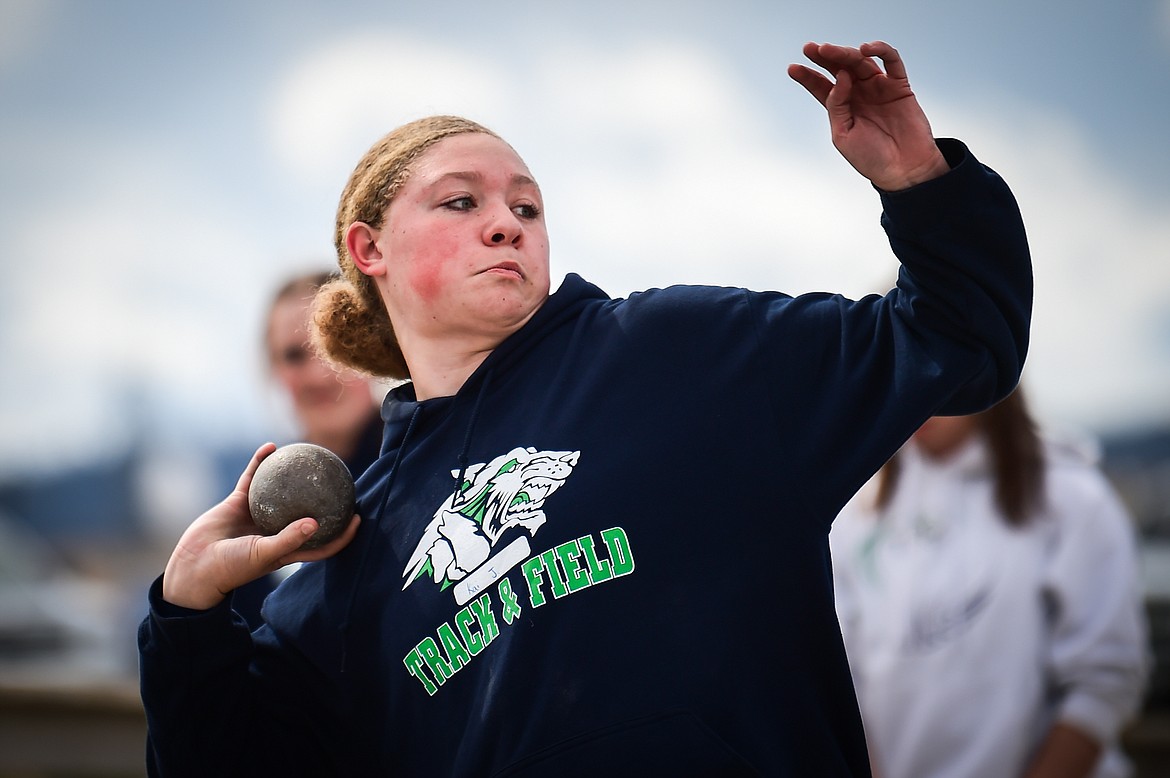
point(507, 267)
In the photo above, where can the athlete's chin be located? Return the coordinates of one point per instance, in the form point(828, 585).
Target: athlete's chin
point(511, 311)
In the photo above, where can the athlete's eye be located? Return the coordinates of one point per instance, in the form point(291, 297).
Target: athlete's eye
point(527, 211)
point(464, 203)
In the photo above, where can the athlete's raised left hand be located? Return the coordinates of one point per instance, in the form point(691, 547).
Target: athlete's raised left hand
point(875, 119)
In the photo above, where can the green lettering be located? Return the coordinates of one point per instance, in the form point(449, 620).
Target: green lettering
point(554, 574)
point(619, 551)
point(598, 569)
point(574, 575)
point(414, 666)
point(457, 655)
point(434, 660)
point(531, 571)
point(463, 622)
point(482, 608)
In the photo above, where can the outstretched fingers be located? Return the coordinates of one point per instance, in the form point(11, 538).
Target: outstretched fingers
point(891, 59)
point(838, 104)
point(833, 58)
point(855, 64)
point(816, 84)
point(859, 61)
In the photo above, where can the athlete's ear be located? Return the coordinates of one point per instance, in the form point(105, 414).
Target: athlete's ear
point(361, 240)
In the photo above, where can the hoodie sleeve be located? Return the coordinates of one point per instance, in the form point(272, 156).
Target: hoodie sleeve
point(850, 380)
point(965, 286)
point(208, 704)
point(1098, 657)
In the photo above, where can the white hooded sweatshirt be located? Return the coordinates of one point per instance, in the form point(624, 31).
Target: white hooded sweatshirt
point(968, 638)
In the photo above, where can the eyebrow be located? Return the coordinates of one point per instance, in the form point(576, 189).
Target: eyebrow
point(519, 179)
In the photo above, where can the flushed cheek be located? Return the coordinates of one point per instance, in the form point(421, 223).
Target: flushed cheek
point(426, 276)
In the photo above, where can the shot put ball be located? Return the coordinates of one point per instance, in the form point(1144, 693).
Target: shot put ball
point(302, 480)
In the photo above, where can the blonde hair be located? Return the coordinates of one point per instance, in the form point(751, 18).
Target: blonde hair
point(350, 324)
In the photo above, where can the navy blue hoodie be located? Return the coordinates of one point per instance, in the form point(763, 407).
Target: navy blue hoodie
point(607, 554)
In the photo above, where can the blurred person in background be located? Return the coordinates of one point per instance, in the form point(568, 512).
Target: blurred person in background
point(988, 592)
point(334, 408)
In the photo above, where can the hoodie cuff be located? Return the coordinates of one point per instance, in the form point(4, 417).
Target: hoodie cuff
point(186, 627)
point(942, 199)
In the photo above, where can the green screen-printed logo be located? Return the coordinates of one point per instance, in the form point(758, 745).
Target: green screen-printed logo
point(459, 544)
point(563, 570)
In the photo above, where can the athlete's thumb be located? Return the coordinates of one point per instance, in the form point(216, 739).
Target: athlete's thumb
point(273, 549)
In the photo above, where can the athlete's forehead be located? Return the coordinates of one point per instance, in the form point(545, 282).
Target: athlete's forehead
point(473, 158)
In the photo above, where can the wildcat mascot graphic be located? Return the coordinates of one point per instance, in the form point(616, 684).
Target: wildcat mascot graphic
point(509, 491)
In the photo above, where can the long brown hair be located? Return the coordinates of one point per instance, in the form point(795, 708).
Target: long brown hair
point(1017, 460)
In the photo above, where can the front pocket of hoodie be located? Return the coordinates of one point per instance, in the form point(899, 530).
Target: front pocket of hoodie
point(670, 743)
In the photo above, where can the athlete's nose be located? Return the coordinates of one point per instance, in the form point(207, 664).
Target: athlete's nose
point(503, 228)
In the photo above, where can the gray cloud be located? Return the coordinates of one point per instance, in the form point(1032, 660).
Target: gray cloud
point(661, 163)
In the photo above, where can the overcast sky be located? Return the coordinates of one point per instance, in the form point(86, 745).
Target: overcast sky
point(164, 165)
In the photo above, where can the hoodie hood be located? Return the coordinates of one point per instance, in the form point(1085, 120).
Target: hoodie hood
point(573, 294)
point(401, 411)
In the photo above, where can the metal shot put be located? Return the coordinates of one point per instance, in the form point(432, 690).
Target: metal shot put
point(302, 480)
